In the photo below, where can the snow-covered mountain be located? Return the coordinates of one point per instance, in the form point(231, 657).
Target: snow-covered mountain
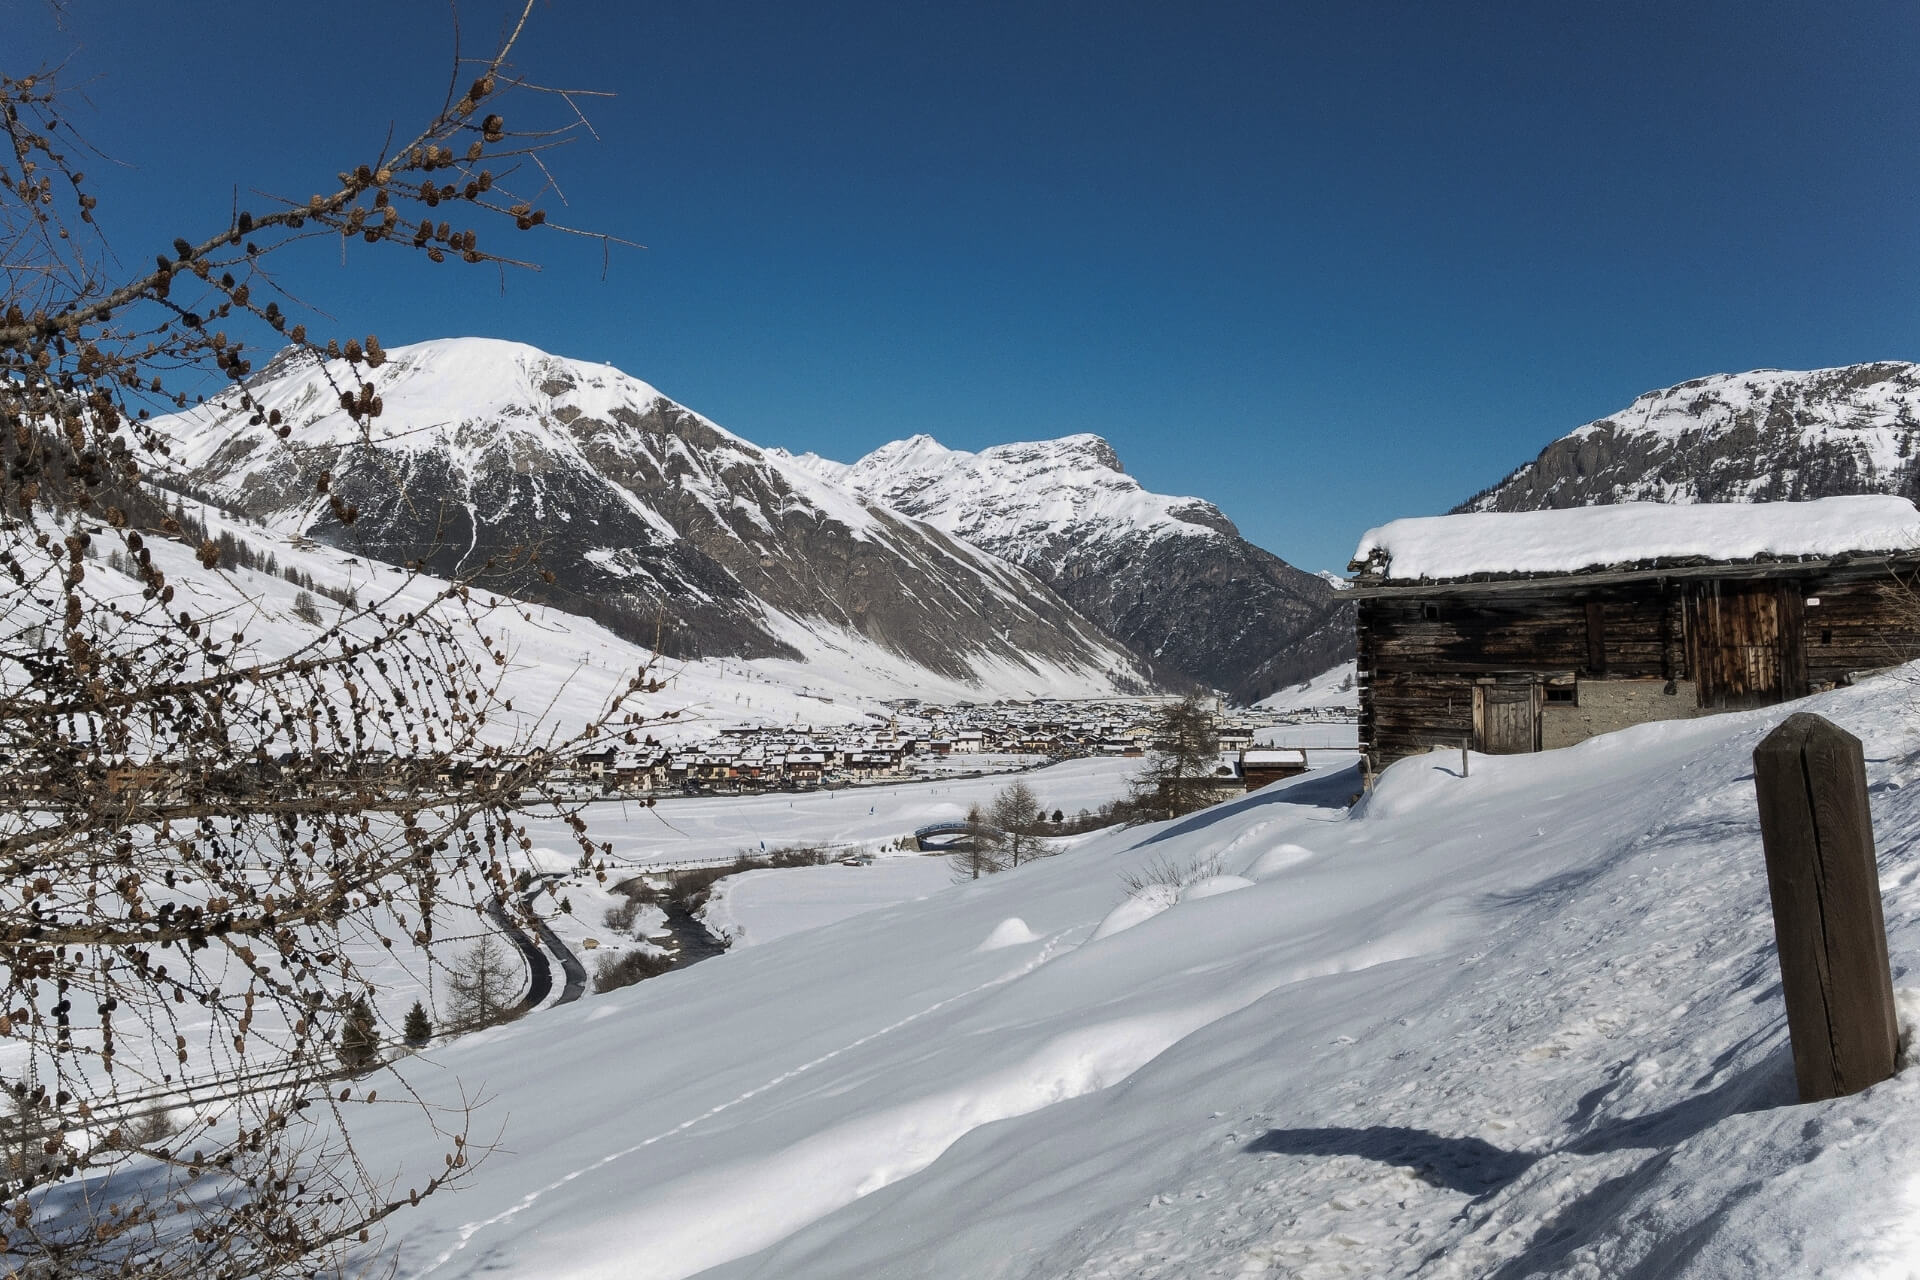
point(646, 514)
point(1170, 577)
point(1768, 435)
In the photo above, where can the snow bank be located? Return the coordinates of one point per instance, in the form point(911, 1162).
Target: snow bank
point(1438, 547)
point(1011, 932)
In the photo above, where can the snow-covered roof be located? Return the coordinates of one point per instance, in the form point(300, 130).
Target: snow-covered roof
point(1632, 533)
point(1274, 755)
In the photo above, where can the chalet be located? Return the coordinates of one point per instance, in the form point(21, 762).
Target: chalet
point(805, 767)
point(1233, 737)
point(1262, 765)
point(1526, 631)
point(597, 764)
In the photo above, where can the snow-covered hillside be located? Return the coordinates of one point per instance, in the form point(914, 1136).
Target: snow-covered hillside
point(1169, 576)
point(1763, 436)
point(1523, 1022)
point(1330, 691)
point(562, 668)
point(648, 516)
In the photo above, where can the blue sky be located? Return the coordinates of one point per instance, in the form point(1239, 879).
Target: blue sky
point(1322, 264)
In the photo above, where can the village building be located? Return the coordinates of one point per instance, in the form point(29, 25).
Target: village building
point(1234, 737)
point(1260, 766)
point(1527, 631)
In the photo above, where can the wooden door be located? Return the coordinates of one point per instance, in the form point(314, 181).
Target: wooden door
point(1737, 646)
point(1507, 717)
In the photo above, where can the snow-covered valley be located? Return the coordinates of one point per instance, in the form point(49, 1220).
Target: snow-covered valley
point(1523, 1022)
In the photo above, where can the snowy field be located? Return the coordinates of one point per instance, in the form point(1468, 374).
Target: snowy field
point(757, 907)
point(1332, 737)
point(853, 820)
point(1521, 1023)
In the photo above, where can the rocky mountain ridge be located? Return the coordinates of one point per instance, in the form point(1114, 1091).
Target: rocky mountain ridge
point(644, 513)
point(1761, 436)
point(1170, 577)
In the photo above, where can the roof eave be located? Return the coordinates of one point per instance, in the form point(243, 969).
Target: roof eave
point(1610, 575)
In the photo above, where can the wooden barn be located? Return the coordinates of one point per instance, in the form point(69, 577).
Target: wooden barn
point(1526, 631)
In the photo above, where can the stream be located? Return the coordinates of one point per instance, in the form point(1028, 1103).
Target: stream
point(692, 942)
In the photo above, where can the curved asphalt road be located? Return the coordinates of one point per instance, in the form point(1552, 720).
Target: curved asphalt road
point(539, 971)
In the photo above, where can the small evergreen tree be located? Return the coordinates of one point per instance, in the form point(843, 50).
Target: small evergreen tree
point(418, 1028)
point(359, 1037)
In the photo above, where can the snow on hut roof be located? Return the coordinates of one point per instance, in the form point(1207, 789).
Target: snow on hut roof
point(1630, 533)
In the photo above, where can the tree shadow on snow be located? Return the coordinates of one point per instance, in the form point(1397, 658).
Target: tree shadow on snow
point(1467, 1165)
point(1478, 1168)
point(1331, 790)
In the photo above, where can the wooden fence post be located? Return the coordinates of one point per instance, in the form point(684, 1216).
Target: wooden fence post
point(1818, 833)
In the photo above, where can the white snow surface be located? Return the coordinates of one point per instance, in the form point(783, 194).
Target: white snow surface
point(1524, 1022)
point(1565, 541)
point(757, 907)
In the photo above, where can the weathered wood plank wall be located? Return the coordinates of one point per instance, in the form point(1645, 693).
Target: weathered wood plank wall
point(1421, 654)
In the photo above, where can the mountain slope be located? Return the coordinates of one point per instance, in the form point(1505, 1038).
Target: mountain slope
point(1768, 435)
point(1169, 577)
point(646, 514)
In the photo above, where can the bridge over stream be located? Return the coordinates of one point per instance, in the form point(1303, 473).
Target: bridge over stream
point(952, 837)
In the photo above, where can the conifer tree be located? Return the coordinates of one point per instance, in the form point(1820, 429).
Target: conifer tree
point(418, 1028)
point(359, 1036)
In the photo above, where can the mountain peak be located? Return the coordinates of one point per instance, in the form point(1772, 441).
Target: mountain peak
point(1759, 436)
point(1169, 576)
point(646, 514)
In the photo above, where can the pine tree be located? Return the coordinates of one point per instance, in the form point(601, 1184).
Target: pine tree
point(981, 854)
point(359, 1037)
point(418, 1028)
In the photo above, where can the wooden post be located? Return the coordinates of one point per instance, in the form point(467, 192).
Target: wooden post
point(1463, 757)
point(1814, 823)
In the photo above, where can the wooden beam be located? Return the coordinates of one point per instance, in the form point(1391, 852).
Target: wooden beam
point(1832, 939)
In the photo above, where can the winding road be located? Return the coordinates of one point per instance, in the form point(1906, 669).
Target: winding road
point(539, 969)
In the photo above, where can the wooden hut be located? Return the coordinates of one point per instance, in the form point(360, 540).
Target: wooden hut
point(1260, 766)
point(1526, 631)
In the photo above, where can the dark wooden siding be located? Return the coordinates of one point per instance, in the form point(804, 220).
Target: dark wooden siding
point(1859, 625)
point(1421, 654)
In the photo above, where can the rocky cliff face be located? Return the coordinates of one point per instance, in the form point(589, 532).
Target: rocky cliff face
point(644, 512)
point(1169, 577)
point(1764, 436)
